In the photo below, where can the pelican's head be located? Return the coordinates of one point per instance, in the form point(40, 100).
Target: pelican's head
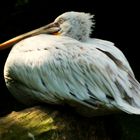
point(77, 25)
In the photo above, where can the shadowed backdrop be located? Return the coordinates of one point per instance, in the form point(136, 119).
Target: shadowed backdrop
point(115, 21)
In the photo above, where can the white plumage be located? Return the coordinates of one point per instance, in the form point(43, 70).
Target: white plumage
point(90, 74)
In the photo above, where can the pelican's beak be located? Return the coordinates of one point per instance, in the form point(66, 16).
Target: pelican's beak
point(52, 28)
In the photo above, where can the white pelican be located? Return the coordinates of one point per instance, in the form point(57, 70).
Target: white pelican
point(59, 63)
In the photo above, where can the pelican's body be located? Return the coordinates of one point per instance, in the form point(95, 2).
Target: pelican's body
point(90, 74)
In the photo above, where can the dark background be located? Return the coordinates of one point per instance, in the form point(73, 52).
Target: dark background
point(115, 21)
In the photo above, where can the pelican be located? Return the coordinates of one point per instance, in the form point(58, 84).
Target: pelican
point(60, 64)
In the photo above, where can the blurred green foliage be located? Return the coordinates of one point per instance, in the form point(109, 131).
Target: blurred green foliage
point(21, 2)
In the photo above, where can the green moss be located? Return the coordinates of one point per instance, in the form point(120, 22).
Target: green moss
point(49, 124)
point(34, 121)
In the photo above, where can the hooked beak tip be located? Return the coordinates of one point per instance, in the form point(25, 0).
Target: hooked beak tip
point(8, 44)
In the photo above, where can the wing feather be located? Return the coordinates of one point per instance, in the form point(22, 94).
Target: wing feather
point(109, 47)
point(95, 74)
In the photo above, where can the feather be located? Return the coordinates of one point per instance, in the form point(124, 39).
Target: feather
point(90, 76)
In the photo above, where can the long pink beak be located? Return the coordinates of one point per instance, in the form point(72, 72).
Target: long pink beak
point(51, 28)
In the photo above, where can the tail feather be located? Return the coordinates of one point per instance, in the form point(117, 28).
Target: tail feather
point(131, 104)
point(128, 108)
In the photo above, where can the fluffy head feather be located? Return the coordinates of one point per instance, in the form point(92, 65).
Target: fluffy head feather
point(77, 25)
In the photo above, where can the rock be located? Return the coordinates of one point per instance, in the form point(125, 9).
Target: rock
point(54, 123)
point(41, 123)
